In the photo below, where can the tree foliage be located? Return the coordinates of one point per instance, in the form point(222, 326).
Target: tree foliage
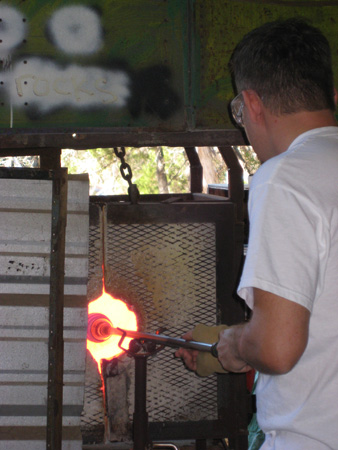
point(105, 177)
point(248, 157)
point(20, 161)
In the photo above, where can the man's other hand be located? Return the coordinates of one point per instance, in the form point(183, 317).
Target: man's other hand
point(188, 356)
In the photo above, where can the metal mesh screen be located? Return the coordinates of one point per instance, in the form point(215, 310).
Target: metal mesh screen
point(172, 267)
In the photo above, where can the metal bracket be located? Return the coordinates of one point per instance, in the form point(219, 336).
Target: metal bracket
point(55, 342)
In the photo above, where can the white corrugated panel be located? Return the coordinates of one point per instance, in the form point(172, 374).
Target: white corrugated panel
point(25, 240)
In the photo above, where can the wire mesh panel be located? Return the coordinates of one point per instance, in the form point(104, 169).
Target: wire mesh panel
point(173, 269)
point(175, 261)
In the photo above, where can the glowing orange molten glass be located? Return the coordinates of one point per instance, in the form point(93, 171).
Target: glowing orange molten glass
point(120, 317)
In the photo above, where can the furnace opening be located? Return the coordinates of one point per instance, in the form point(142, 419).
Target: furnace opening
point(120, 316)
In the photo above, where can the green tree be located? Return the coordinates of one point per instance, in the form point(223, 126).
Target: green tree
point(105, 178)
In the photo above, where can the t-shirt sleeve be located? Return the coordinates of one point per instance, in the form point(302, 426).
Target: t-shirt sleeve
point(284, 246)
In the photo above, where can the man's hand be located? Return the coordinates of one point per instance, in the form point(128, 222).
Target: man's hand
point(227, 349)
point(227, 354)
point(188, 356)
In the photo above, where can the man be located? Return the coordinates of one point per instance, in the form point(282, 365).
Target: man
point(286, 103)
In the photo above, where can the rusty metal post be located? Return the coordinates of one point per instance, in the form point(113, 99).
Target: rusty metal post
point(55, 342)
point(235, 172)
point(50, 158)
point(234, 398)
point(196, 170)
point(140, 425)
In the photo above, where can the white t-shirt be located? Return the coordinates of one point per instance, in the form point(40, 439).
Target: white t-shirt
point(293, 253)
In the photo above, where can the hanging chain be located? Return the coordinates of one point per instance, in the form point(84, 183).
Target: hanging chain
point(127, 174)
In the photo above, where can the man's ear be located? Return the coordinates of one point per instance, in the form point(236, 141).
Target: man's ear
point(254, 105)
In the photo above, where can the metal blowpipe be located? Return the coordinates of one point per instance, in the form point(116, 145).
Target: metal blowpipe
point(100, 329)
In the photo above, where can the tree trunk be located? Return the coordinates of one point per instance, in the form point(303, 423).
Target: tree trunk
point(160, 172)
point(209, 170)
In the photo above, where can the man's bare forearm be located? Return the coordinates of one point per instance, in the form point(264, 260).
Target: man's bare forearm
point(271, 342)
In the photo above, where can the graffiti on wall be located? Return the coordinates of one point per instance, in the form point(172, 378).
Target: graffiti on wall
point(43, 85)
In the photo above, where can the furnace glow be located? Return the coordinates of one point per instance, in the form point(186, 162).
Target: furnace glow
point(120, 317)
